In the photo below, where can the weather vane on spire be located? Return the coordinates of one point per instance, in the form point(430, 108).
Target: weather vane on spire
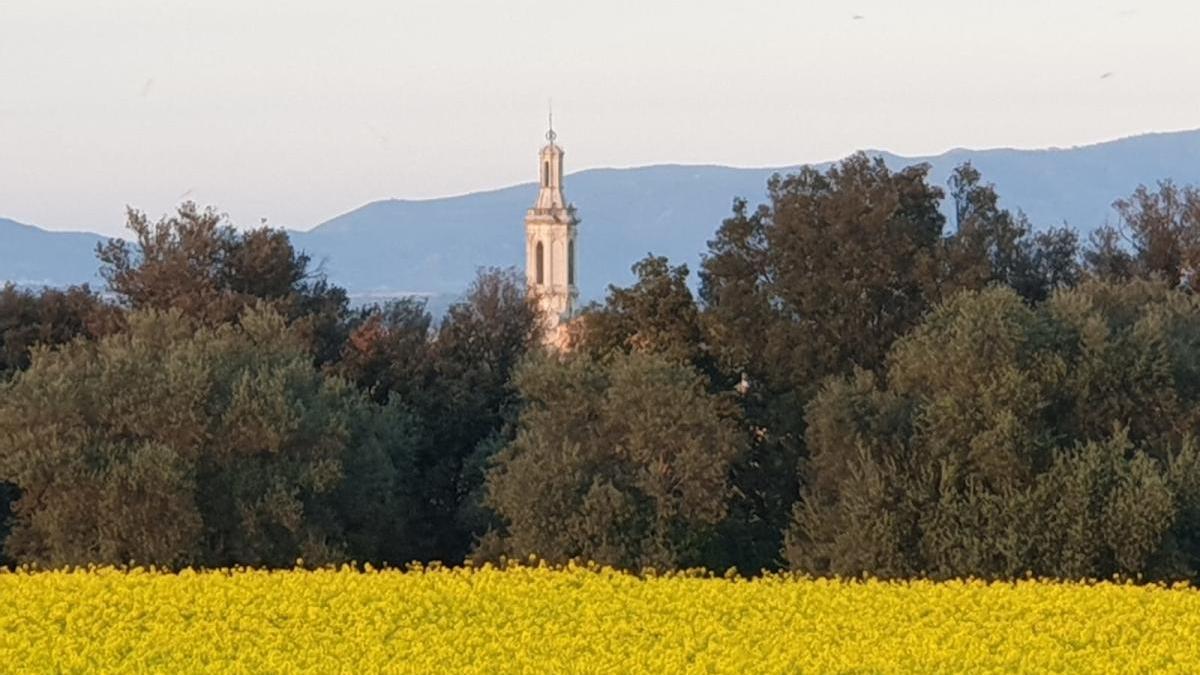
point(550, 135)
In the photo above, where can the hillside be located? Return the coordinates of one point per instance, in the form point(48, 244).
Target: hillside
point(35, 257)
point(434, 246)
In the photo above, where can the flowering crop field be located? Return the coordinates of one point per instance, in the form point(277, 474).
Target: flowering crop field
point(542, 620)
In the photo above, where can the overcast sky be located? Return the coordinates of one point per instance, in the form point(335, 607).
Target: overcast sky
point(296, 110)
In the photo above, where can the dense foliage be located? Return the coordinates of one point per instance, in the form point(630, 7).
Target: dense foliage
point(625, 463)
point(47, 317)
point(199, 264)
point(874, 374)
point(1003, 439)
point(523, 620)
point(458, 379)
point(1157, 235)
point(174, 444)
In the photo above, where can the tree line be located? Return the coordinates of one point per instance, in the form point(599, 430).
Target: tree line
point(860, 386)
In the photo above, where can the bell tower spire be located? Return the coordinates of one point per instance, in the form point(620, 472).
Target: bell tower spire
point(550, 193)
point(550, 233)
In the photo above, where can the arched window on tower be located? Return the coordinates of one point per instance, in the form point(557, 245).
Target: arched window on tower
point(541, 269)
point(571, 262)
point(546, 173)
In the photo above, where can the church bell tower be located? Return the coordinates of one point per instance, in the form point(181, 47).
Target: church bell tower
point(550, 232)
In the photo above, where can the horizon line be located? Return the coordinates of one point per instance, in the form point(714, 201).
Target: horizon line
point(702, 165)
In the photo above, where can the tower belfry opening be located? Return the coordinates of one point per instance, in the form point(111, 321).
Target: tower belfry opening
point(550, 233)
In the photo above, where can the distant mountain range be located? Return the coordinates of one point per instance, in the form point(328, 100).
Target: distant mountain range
point(434, 246)
point(35, 257)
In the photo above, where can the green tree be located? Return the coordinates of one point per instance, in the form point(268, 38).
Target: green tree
point(47, 317)
point(657, 314)
point(456, 379)
point(1055, 263)
point(174, 443)
point(476, 350)
point(625, 462)
point(992, 246)
point(1005, 438)
point(196, 262)
point(1157, 236)
point(822, 278)
point(1106, 258)
point(389, 352)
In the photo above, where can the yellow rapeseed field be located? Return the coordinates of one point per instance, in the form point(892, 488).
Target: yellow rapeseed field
point(541, 620)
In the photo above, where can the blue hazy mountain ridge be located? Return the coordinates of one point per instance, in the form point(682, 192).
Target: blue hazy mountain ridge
point(30, 256)
point(434, 246)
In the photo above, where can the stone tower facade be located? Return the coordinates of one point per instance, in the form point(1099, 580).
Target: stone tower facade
point(550, 234)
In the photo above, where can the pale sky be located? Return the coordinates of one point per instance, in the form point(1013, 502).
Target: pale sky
point(297, 111)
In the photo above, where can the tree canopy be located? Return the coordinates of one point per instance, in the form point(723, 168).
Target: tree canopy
point(1004, 438)
point(1157, 235)
point(196, 262)
point(875, 375)
point(47, 317)
point(173, 443)
point(624, 462)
